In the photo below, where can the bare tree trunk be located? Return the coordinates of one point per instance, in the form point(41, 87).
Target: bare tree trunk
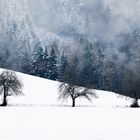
point(135, 103)
point(73, 102)
point(4, 99)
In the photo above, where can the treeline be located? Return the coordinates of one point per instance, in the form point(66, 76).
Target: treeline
point(92, 67)
point(46, 62)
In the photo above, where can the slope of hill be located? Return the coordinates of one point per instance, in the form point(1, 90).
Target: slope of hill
point(42, 92)
point(39, 116)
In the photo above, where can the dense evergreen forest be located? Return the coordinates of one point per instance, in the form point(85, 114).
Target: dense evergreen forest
point(92, 67)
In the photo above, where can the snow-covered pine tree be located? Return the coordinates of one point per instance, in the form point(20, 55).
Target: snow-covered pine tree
point(45, 63)
point(63, 66)
point(38, 59)
point(26, 63)
point(53, 65)
point(89, 71)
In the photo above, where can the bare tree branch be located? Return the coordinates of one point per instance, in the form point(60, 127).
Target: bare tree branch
point(10, 85)
point(72, 91)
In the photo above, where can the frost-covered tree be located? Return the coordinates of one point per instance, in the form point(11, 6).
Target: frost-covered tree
point(63, 66)
point(53, 65)
point(26, 63)
point(72, 91)
point(89, 74)
point(38, 59)
point(72, 71)
point(10, 85)
point(45, 63)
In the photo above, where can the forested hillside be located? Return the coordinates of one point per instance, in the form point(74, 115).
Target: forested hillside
point(88, 43)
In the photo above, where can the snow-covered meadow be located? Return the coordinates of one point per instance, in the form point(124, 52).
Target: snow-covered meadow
point(39, 115)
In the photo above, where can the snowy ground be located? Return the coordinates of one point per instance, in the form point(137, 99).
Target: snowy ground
point(51, 123)
point(40, 116)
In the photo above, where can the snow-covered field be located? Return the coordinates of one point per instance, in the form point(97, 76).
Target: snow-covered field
point(39, 115)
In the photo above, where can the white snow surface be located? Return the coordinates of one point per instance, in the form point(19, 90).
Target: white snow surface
point(39, 115)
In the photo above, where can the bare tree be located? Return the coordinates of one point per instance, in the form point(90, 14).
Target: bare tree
point(72, 91)
point(10, 85)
